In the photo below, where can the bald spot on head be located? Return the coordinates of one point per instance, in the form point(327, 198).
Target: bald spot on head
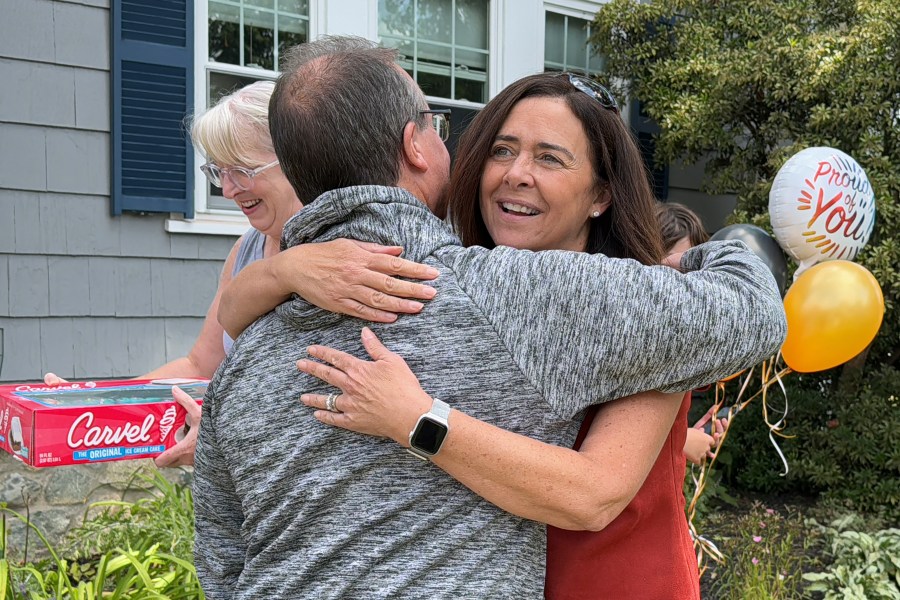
point(327, 127)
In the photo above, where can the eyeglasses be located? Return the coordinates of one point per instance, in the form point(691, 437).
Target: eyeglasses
point(594, 90)
point(241, 178)
point(440, 120)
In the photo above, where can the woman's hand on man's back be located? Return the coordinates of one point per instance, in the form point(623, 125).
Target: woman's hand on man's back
point(358, 279)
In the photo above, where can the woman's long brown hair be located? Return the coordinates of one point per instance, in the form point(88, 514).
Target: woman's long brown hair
point(627, 229)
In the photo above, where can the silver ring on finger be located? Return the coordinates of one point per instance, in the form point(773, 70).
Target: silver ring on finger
point(330, 403)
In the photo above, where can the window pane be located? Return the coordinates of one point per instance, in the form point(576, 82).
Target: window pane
point(437, 56)
point(292, 25)
point(430, 35)
point(259, 21)
point(554, 39)
point(576, 44)
point(395, 18)
point(219, 11)
point(567, 45)
point(259, 18)
point(435, 21)
point(406, 52)
point(217, 200)
point(473, 91)
point(472, 23)
point(222, 84)
point(597, 63)
point(290, 33)
point(259, 39)
point(224, 33)
point(435, 85)
point(472, 61)
point(298, 7)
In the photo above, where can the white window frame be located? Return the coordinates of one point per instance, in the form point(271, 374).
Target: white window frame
point(208, 220)
point(515, 49)
point(453, 47)
point(568, 11)
point(574, 8)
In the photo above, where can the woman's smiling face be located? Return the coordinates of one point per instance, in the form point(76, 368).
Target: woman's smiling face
point(269, 201)
point(538, 188)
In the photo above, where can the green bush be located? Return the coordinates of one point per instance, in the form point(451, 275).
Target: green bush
point(126, 551)
point(866, 565)
point(165, 517)
point(745, 85)
point(847, 450)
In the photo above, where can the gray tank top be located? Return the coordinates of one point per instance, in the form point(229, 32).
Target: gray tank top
point(252, 249)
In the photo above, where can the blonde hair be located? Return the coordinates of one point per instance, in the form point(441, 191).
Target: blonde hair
point(236, 128)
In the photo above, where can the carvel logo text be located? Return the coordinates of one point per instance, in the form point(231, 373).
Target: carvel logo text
point(47, 388)
point(83, 432)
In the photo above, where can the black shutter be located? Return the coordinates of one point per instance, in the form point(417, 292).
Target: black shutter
point(152, 84)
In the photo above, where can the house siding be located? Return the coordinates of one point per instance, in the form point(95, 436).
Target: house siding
point(82, 293)
point(88, 295)
point(684, 181)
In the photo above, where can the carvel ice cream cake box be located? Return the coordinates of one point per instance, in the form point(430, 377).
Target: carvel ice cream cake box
point(86, 422)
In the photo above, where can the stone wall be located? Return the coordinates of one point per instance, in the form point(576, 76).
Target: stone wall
point(56, 498)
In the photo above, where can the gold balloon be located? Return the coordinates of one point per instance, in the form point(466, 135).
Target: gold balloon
point(833, 312)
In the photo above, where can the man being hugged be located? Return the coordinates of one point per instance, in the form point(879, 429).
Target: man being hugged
point(288, 507)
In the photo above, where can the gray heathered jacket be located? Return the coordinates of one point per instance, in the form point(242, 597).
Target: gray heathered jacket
point(287, 507)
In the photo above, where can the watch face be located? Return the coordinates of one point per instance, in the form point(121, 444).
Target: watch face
point(428, 436)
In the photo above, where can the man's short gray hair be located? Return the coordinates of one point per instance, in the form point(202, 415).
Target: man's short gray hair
point(337, 115)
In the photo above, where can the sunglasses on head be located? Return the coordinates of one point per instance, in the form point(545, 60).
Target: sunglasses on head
point(594, 90)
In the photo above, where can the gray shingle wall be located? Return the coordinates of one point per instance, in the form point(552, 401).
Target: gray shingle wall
point(82, 294)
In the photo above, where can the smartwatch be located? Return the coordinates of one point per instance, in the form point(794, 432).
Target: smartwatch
point(427, 437)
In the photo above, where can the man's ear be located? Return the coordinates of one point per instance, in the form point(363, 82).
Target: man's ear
point(412, 148)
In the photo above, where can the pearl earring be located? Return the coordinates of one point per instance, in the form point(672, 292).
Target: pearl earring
point(595, 214)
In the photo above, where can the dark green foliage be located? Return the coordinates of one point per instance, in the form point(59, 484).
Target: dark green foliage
point(845, 449)
point(747, 84)
point(864, 565)
point(765, 550)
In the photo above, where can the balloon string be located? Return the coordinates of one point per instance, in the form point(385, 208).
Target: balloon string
point(777, 427)
point(769, 375)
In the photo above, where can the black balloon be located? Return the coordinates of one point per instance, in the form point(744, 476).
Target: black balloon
point(762, 244)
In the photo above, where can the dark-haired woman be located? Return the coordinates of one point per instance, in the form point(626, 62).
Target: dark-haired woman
point(550, 165)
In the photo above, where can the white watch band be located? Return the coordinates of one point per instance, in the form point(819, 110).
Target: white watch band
point(439, 409)
point(438, 414)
